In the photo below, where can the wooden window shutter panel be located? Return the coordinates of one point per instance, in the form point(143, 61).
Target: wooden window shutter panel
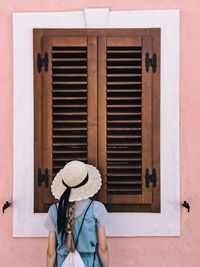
point(124, 119)
point(69, 112)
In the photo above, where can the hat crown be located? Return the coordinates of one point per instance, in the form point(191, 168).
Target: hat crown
point(74, 173)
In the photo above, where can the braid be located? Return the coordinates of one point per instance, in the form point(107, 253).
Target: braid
point(70, 223)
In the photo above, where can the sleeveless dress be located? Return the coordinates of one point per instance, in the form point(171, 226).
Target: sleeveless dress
point(87, 241)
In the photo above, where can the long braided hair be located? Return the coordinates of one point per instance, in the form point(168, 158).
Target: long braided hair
point(70, 223)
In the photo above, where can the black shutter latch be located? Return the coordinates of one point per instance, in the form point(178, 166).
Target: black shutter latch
point(42, 62)
point(150, 178)
point(151, 62)
point(186, 205)
point(43, 178)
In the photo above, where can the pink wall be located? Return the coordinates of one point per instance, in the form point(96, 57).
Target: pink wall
point(141, 251)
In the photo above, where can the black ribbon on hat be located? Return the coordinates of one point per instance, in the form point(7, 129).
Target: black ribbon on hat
point(62, 206)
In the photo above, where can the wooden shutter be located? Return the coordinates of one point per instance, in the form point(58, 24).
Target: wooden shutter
point(68, 114)
point(128, 116)
point(98, 103)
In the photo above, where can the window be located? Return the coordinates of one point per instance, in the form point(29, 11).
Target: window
point(96, 98)
point(26, 223)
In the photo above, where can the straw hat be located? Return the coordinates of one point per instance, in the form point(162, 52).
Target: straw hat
point(83, 179)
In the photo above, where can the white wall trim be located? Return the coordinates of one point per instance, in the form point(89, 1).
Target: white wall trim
point(96, 18)
point(166, 223)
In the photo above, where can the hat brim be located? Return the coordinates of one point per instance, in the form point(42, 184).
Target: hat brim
point(83, 192)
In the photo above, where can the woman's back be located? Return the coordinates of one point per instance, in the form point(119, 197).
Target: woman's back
point(88, 215)
point(77, 223)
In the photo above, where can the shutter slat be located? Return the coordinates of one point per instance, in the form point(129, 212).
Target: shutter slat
point(69, 59)
point(124, 67)
point(124, 190)
point(69, 136)
point(124, 167)
point(70, 75)
point(69, 129)
point(68, 151)
point(122, 152)
point(123, 121)
point(124, 75)
point(69, 158)
point(124, 98)
point(69, 67)
point(124, 59)
point(69, 113)
point(124, 90)
point(124, 183)
point(122, 113)
point(68, 52)
point(70, 98)
point(115, 175)
point(124, 51)
point(127, 128)
point(67, 83)
point(70, 91)
point(125, 144)
point(70, 144)
point(123, 159)
point(70, 121)
point(123, 83)
point(124, 136)
point(74, 106)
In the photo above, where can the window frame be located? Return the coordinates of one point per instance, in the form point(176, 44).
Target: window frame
point(26, 223)
point(149, 39)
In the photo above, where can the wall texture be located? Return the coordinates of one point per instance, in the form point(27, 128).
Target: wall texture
point(139, 251)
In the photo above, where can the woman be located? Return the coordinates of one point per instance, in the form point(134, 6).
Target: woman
point(77, 222)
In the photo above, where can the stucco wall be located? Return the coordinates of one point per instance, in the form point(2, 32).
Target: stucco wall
point(145, 251)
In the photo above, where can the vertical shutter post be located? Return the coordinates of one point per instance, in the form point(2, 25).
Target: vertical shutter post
point(102, 127)
point(92, 100)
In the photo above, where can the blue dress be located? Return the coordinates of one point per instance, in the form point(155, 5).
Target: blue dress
point(87, 240)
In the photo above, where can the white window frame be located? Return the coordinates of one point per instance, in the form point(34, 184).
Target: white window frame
point(167, 222)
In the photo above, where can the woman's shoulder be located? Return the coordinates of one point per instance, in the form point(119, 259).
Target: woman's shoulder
point(50, 220)
point(100, 213)
point(53, 208)
point(98, 204)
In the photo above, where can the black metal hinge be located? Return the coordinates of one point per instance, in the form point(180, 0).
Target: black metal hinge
point(151, 62)
point(43, 177)
point(42, 62)
point(150, 178)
